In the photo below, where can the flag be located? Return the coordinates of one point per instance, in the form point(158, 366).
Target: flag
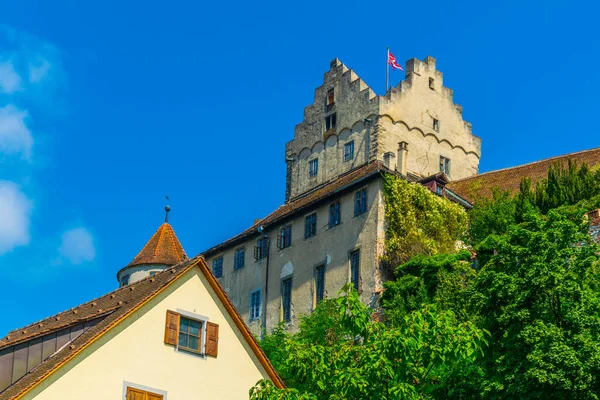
point(392, 61)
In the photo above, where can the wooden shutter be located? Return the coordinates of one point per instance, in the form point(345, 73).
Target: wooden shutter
point(153, 396)
point(135, 394)
point(212, 339)
point(172, 328)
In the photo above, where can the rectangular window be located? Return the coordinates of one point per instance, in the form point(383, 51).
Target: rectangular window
point(431, 84)
point(313, 167)
point(320, 282)
point(329, 100)
point(335, 214)
point(349, 151)
point(285, 237)
point(360, 201)
point(355, 268)
point(330, 122)
point(286, 298)
point(445, 165)
point(310, 227)
point(261, 249)
point(218, 267)
point(255, 304)
point(125, 280)
point(190, 334)
point(138, 394)
point(239, 258)
point(436, 125)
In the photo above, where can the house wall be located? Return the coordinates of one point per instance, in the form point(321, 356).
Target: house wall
point(134, 351)
point(329, 246)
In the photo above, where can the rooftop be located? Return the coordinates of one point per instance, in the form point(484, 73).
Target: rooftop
point(509, 179)
point(107, 311)
point(163, 248)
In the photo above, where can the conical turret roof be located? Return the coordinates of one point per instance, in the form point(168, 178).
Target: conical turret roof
point(163, 248)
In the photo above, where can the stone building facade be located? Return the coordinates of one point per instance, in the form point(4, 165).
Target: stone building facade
point(331, 229)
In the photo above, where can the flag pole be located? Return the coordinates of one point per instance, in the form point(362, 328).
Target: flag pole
point(387, 70)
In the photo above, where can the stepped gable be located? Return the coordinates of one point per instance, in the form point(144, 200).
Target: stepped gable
point(115, 306)
point(509, 179)
point(163, 248)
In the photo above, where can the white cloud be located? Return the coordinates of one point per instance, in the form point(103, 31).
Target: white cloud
point(39, 70)
point(77, 246)
point(15, 214)
point(15, 136)
point(10, 81)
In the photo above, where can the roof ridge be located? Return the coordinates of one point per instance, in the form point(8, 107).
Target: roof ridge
point(94, 300)
point(528, 164)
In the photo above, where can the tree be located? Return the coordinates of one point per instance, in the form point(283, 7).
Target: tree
point(427, 356)
point(538, 295)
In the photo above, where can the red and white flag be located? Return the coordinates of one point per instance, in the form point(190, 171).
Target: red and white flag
point(392, 61)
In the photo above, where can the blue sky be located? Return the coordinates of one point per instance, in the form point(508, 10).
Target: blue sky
point(106, 107)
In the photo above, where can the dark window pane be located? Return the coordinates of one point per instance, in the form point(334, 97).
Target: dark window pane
point(193, 344)
point(183, 340)
point(195, 328)
point(6, 366)
point(49, 346)
point(355, 268)
point(287, 299)
point(20, 361)
point(218, 267)
point(62, 338)
point(320, 282)
point(184, 325)
point(76, 331)
point(34, 358)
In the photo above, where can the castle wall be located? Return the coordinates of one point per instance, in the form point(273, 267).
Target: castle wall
point(330, 246)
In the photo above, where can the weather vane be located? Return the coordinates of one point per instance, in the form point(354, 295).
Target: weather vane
point(167, 209)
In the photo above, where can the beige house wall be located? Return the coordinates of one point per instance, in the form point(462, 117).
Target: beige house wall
point(134, 351)
point(330, 246)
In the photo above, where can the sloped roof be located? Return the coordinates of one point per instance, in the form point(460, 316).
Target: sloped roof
point(162, 248)
point(509, 179)
point(298, 203)
point(322, 192)
point(116, 305)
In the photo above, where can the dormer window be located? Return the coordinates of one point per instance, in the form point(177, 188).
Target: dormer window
point(330, 122)
point(436, 125)
point(329, 100)
point(431, 86)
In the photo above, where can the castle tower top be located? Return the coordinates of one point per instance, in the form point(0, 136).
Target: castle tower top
point(162, 251)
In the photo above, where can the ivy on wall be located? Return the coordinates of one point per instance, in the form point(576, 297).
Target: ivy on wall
point(419, 221)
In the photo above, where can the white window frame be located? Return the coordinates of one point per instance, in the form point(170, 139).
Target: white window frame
point(199, 318)
point(259, 306)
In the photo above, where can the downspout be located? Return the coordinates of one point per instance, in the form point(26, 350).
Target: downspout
point(266, 302)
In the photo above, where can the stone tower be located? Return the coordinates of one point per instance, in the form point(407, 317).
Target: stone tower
point(415, 129)
point(162, 251)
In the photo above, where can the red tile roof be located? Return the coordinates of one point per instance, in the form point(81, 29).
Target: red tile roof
point(162, 248)
point(115, 306)
point(482, 185)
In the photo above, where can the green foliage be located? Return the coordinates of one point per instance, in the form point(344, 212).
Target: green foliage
point(418, 221)
point(491, 216)
point(563, 186)
point(441, 280)
point(537, 294)
point(428, 355)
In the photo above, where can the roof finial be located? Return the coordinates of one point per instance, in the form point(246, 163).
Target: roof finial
point(167, 209)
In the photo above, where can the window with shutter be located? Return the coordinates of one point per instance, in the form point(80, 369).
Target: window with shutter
point(138, 394)
point(212, 339)
point(172, 328)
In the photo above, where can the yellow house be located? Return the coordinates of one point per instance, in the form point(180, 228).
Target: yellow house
point(171, 335)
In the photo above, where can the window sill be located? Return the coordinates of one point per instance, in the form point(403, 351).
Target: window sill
point(190, 351)
point(333, 227)
point(237, 269)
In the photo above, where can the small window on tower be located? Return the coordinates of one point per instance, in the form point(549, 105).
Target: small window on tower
point(445, 165)
point(329, 101)
point(431, 84)
point(436, 125)
point(330, 122)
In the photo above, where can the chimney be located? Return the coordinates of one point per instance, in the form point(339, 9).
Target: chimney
point(402, 162)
